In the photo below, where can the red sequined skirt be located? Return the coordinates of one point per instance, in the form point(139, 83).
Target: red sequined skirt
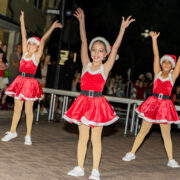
point(90, 111)
point(25, 88)
point(158, 111)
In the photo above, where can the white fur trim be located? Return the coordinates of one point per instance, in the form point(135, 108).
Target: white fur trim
point(88, 123)
point(108, 46)
point(169, 58)
point(34, 40)
point(164, 79)
point(31, 58)
point(100, 70)
point(170, 78)
point(71, 120)
point(141, 115)
point(21, 96)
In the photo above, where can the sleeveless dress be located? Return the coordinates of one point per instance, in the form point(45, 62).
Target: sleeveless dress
point(26, 88)
point(156, 110)
point(91, 111)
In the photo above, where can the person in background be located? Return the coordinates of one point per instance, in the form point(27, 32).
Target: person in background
point(140, 89)
point(119, 86)
point(149, 85)
point(3, 67)
point(44, 68)
point(142, 77)
point(176, 96)
point(133, 89)
point(76, 82)
point(110, 83)
point(176, 100)
point(14, 62)
point(4, 48)
point(1, 43)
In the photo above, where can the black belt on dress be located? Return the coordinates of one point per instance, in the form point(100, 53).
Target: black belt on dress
point(23, 74)
point(91, 93)
point(161, 96)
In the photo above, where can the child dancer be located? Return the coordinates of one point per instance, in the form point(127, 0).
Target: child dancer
point(25, 87)
point(158, 108)
point(91, 109)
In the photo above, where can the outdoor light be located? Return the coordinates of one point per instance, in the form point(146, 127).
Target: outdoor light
point(145, 34)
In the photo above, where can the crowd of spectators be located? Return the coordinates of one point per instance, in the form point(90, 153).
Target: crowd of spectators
point(140, 88)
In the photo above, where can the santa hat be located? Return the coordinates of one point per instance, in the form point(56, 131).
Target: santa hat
point(108, 46)
point(35, 40)
point(170, 58)
point(149, 74)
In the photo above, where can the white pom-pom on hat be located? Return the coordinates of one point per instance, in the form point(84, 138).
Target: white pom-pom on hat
point(170, 58)
point(34, 40)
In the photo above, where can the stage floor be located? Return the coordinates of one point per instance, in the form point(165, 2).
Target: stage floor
point(53, 154)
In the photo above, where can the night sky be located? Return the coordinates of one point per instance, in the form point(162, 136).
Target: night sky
point(103, 18)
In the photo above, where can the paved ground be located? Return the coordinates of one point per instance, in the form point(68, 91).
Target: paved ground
point(53, 154)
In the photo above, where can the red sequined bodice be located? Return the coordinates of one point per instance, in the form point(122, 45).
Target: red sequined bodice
point(163, 86)
point(28, 65)
point(93, 80)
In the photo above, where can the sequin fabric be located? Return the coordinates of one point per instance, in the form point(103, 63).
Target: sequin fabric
point(156, 110)
point(26, 88)
point(92, 111)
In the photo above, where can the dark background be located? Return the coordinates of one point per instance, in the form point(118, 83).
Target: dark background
point(103, 18)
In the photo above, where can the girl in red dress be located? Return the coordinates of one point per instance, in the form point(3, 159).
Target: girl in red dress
point(91, 109)
point(158, 108)
point(25, 87)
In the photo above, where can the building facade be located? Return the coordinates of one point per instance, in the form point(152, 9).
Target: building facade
point(36, 20)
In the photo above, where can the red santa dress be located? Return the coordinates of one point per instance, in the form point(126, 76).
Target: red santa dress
point(91, 111)
point(156, 109)
point(26, 88)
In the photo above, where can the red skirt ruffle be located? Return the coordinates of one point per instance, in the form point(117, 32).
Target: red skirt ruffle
point(90, 111)
point(158, 111)
point(25, 88)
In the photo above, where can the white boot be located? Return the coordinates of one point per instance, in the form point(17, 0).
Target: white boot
point(76, 171)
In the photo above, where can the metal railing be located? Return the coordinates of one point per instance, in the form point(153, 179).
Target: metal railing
point(134, 120)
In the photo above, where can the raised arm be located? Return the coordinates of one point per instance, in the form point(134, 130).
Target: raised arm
point(23, 33)
point(176, 71)
point(79, 14)
point(56, 24)
point(110, 62)
point(156, 66)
